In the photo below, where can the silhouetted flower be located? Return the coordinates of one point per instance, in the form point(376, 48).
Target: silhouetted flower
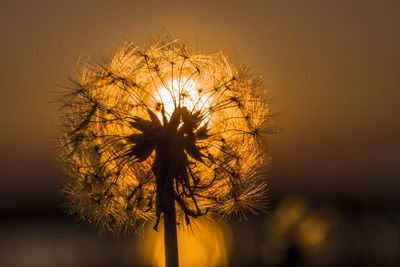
point(149, 114)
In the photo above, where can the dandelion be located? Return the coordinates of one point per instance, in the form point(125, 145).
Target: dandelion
point(163, 132)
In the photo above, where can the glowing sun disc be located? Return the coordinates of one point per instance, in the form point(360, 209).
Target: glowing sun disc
point(182, 92)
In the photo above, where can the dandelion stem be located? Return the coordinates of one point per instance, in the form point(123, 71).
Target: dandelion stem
point(170, 234)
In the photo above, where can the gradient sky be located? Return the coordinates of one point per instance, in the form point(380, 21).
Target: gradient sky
point(332, 68)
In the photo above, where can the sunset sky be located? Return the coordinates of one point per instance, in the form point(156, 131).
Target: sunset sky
point(331, 67)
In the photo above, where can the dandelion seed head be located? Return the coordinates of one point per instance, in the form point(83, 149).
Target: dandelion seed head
point(116, 117)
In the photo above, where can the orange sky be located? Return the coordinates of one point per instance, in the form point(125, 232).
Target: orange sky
point(332, 68)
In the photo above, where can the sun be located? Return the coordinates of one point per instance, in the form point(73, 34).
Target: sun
point(182, 92)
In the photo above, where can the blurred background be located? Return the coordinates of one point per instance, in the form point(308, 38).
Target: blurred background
point(332, 69)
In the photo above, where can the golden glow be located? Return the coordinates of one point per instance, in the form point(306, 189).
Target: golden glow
point(207, 245)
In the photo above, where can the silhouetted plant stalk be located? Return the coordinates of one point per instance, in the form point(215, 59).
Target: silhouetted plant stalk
point(163, 132)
